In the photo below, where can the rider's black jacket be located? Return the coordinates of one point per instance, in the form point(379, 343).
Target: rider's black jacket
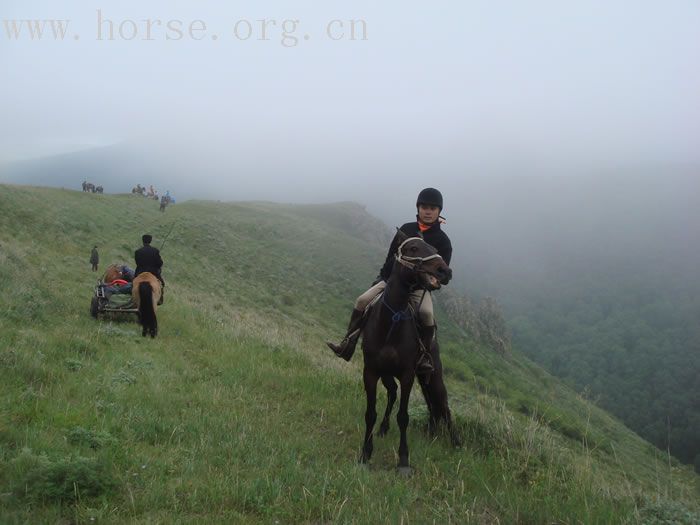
point(148, 260)
point(434, 236)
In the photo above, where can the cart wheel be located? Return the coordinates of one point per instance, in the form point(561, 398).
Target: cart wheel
point(94, 307)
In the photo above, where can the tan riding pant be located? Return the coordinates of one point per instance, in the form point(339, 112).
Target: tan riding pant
point(426, 306)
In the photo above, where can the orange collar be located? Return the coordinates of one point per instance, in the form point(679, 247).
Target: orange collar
point(424, 227)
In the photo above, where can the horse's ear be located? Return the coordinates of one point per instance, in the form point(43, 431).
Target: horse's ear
point(400, 236)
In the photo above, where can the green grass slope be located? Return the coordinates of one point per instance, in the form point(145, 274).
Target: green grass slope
point(237, 412)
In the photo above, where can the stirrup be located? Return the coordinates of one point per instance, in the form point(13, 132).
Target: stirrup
point(424, 366)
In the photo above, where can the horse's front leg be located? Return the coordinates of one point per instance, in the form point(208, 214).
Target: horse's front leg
point(391, 388)
point(370, 379)
point(402, 419)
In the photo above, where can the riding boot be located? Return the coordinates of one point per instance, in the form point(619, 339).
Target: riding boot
point(424, 366)
point(346, 348)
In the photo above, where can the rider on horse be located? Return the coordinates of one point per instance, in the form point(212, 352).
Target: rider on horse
point(429, 205)
point(148, 259)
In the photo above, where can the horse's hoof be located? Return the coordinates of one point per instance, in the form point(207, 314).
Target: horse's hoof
point(365, 456)
point(404, 472)
point(383, 431)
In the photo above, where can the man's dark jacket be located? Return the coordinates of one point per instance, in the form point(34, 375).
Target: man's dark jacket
point(437, 238)
point(148, 260)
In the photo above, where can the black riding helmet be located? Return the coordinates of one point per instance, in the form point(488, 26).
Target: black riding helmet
point(431, 197)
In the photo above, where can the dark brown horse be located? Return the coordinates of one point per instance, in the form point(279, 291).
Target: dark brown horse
point(391, 346)
point(145, 293)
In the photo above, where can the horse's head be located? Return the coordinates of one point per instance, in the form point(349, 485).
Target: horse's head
point(421, 263)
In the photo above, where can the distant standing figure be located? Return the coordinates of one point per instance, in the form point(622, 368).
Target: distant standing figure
point(163, 203)
point(94, 258)
point(84, 185)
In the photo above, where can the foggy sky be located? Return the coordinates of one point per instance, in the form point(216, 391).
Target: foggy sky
point(435, 94)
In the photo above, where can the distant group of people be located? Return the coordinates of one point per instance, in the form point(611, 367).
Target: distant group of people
point(89, 187)
point(151, 193)
point(145, 191)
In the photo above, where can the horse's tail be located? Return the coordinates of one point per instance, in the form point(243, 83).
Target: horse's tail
point(147, 312)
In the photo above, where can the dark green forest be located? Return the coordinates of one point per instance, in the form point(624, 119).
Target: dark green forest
point(598, 278)
point(632, 344)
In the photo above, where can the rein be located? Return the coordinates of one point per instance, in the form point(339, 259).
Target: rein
point(413, 263)
point(403, 315)
point(397, 315)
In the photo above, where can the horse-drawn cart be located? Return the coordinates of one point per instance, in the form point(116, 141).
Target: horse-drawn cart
point(107, 299)
point(113, 292)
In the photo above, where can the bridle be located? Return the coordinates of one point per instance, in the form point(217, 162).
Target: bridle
point(414, 263)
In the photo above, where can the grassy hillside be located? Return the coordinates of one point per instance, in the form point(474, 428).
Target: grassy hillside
point(238, 413)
